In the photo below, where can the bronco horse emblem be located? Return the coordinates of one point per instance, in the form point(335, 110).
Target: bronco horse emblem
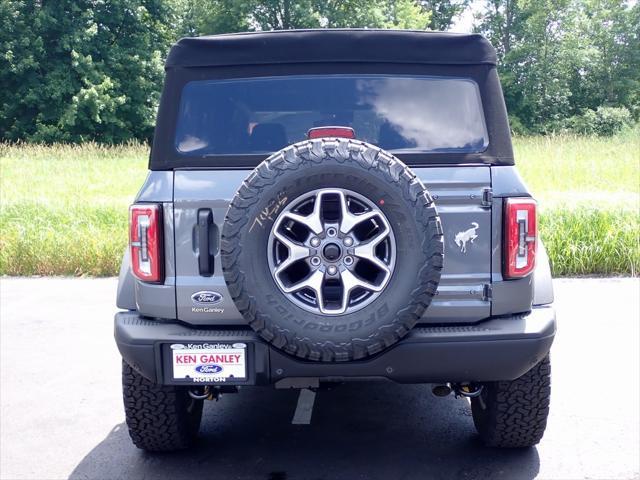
point(465, 236)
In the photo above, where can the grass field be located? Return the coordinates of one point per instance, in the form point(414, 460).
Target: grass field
point(63, 209)
point(589, 195)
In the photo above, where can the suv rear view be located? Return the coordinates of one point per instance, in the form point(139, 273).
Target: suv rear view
point(331, 206)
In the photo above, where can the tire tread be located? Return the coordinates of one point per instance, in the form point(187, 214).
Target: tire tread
point(516, 411)
point(157, 415)
point(374, 160)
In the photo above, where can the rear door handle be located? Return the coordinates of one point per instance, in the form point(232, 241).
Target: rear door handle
point(205, 256)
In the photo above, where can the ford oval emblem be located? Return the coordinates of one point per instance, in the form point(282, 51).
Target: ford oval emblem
point(210, 368)
point(206, 298)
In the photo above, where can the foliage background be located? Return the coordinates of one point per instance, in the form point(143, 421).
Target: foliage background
point(80, 82)
point(91, 70)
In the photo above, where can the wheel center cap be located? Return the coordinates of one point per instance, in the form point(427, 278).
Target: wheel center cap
point(331, 252)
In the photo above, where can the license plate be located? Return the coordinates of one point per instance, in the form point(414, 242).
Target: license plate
point(209, 362)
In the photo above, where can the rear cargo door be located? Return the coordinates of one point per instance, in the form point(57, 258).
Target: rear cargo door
point(201, 199)
point(463, 198)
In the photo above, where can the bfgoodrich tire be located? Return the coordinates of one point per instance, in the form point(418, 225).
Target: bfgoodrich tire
point(160, 418)
point(371, 177)
point(514, 414)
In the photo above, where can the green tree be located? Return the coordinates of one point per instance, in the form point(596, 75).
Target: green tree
point(221, 16)
point(74, 70)
point(529, 39)
point(606, 67)
point(352, 13)
point(443, 12)
point(407, 14)
point(559, 58)
point(202, 17)
point(284, 14)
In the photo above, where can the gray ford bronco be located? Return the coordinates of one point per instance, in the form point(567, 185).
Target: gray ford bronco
point(333, 206)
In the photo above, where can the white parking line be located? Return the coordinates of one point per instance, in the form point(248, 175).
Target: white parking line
point(304, 408)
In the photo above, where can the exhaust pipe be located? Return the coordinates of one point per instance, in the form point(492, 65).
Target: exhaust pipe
point(442, 390)
point(468, 390)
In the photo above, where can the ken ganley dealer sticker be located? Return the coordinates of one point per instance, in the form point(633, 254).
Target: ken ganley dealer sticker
point(204, 301)
point(209, 362)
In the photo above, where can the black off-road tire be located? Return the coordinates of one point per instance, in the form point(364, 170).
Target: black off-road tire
point(160, 418)
point(514, 414)
point(333, 163)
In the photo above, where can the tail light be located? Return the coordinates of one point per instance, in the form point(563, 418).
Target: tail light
point(145, 241)
point(520, 237)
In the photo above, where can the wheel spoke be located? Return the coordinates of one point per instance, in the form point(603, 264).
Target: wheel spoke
point(296, 252)
point(367, 251)
point(312, 221)
point(313, 282)
point(352, 281)
point(350, 220)
point(375, 260)
point(349, 283)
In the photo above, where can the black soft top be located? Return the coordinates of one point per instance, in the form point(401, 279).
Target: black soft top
point(332, 45)
point(331, 52)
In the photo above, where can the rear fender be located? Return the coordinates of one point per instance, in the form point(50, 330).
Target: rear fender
point(126, 297)
point(542, 281)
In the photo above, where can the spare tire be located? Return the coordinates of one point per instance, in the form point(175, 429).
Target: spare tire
point(332, 249)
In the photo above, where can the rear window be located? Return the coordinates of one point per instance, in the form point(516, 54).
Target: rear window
point(397, 113)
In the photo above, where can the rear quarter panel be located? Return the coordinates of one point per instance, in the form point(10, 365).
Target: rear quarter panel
point(153, 300)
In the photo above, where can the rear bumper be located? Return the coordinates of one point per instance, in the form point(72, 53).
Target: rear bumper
point(501, 348)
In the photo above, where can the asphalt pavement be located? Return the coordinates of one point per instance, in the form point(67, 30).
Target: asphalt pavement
point(62, 413)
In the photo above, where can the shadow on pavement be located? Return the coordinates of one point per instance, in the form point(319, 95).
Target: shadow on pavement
point(364, 431)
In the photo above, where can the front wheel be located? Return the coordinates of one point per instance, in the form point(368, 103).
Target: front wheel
point(514, 413)
point(160, 418)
